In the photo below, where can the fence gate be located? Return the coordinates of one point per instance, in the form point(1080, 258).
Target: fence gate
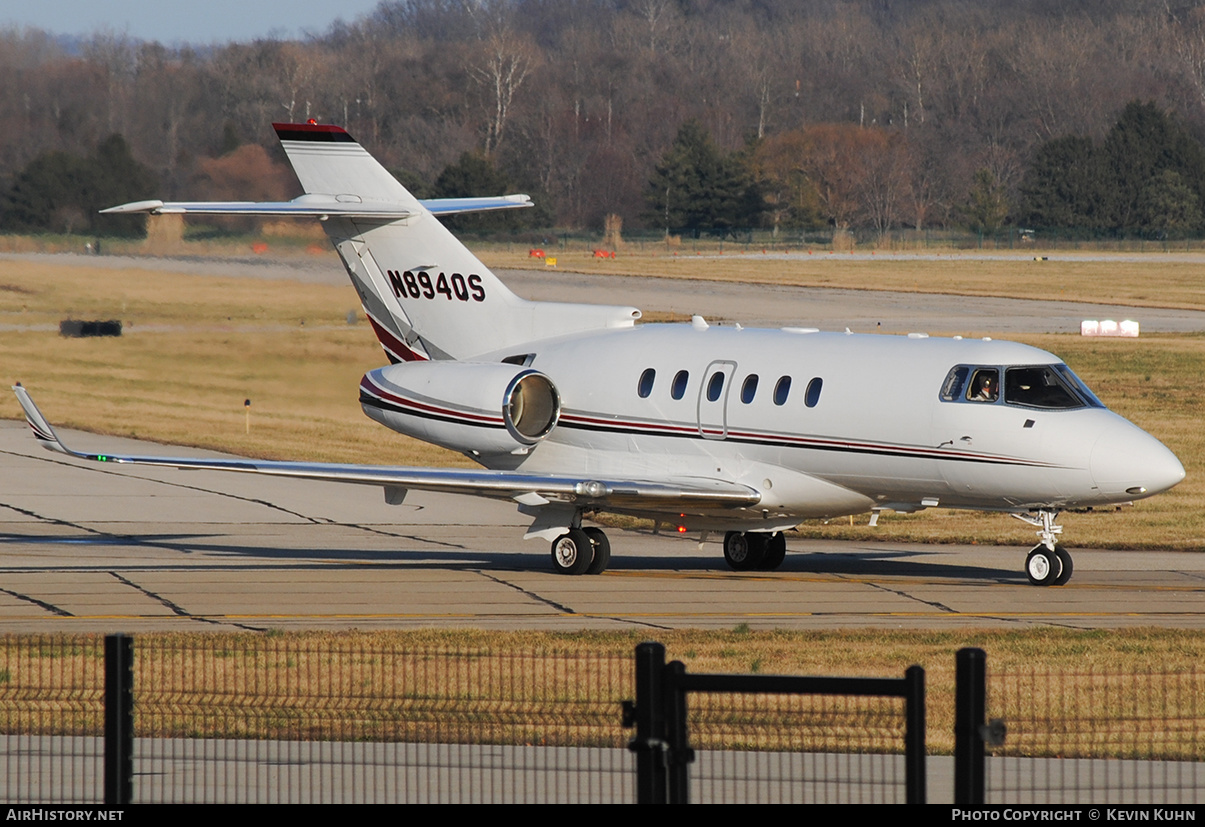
point(662, 744)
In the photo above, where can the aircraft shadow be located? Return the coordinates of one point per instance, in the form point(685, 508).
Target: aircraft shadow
point(862, 562)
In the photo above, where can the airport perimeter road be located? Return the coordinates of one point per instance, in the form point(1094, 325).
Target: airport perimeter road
point(766, 305)
point(93, 547)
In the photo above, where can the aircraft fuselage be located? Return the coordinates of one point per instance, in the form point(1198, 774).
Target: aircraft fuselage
point(827, 424)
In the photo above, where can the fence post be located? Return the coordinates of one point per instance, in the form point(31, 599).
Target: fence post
point(970, 710)
point(119, 720)
point(649, 743)
point(914, 736)
point(677, 737)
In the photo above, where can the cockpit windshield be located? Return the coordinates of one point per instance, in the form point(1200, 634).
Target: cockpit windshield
point(1053, 387)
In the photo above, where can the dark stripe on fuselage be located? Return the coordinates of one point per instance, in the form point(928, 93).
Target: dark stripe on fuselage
point(807, 444)
point(800, 442)
point(385, 400)
point(380, 404)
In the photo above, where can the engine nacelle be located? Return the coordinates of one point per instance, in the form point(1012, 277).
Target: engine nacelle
point(477, 407)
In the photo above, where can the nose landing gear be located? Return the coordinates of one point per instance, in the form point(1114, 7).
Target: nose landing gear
point(1048, 564)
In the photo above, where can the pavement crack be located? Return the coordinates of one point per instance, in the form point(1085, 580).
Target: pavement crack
point(53, 520)
point(50, 607)
point(527, 592)
point(900, 593)
point(177, 610)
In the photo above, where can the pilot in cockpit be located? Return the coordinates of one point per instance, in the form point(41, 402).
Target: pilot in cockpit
point(985, 388)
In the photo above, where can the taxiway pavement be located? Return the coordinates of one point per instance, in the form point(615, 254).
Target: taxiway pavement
point(94, 547)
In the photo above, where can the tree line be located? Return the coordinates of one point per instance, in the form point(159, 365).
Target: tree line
point(688, 115)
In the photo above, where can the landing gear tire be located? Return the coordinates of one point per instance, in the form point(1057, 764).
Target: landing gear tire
point(1068, 567)
point(602, 550)
point(776, 552)
point(1043, 566)
point(572, 552)
point(744, 550)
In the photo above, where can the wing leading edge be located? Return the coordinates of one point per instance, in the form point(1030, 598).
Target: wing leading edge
point(322, 206)
point(531, 490)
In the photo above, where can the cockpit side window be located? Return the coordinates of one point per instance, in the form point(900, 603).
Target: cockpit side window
point(951, 389)
point(1039, 386)
point(1077, 384)
point(984, 386)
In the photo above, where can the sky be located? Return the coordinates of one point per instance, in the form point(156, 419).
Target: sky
point(171, 22)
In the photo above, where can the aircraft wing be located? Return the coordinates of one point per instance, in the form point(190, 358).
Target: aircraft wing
point(524, 488)
point(321, 206)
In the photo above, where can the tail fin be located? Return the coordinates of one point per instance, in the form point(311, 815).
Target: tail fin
point(425, 294)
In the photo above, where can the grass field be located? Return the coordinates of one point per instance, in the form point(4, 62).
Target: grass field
point(1155, 280)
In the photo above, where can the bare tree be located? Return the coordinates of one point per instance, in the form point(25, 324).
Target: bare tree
point(507, 59)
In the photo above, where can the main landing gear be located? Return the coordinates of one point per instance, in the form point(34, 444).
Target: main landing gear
point(581, 551)
point(754, 551)
point(1048, 564)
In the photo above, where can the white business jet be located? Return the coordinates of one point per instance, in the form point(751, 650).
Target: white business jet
point(574, 410)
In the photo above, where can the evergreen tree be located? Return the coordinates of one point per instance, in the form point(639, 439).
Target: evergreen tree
point(63, 192)
point(473, 176)
point(1142, 144)
point(988, 205)
point(1064, 186)
point(1167, 207)
point(697, 188)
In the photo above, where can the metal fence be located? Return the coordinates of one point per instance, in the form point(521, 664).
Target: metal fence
point(718, 738)
point(369, 718)
point(1089, 736)
point(51, 719)
point(256, 718)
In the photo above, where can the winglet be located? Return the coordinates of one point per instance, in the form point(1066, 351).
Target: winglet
point(38, 424)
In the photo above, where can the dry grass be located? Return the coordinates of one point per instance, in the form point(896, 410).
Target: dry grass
point(1156, 281)
point(194, 348)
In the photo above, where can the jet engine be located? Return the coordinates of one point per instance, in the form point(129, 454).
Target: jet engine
point(480, 408)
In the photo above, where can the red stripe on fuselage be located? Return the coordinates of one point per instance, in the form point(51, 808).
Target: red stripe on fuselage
point(421, 408)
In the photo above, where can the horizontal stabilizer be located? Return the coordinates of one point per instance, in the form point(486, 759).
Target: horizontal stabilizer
point(322, 207)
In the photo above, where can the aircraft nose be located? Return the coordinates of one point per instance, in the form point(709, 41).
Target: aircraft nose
point(1127, 462)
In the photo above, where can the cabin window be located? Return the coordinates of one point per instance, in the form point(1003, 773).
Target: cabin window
point(812, 396)
point(1038, 387)
point(715, 386)
point(984, 386)
point(646, 383)
point(749, 388)
point(782, 390)
point(678, 389)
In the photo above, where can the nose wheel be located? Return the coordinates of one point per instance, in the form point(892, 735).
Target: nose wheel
point(1048, 568)
point(1048, 564)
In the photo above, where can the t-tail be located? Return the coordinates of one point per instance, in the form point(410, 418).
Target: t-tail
point(426, 295)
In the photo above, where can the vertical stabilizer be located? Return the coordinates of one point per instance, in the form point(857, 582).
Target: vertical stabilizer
point(426, 294)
